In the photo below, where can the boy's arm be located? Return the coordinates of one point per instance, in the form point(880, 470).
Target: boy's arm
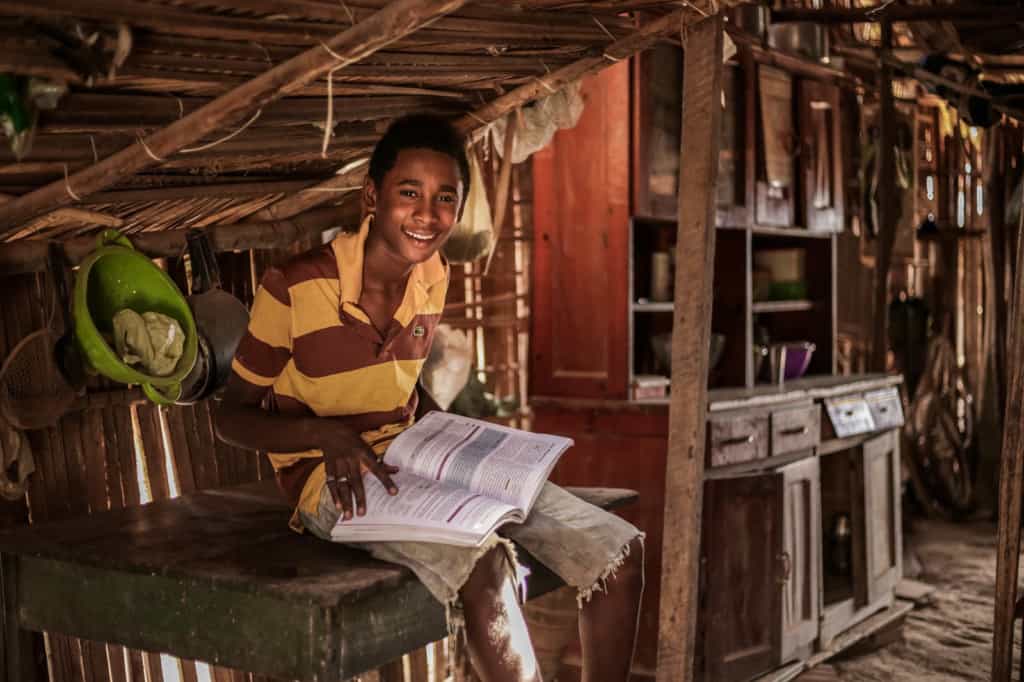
point(241, 420)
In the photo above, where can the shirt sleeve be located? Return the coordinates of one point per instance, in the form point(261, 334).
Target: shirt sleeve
point(266, 347)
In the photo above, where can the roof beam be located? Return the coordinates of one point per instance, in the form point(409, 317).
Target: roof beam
point(398, 19)
point(624, 48)
point(960, 13)
point(29, 255)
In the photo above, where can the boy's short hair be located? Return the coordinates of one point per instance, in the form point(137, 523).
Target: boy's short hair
point(419, 131)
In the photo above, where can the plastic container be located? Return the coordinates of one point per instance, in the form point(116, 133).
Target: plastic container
point(113, 277)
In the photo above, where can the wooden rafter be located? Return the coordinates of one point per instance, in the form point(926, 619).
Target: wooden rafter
point(397, 19)
point(29, 255)
point(624, 48)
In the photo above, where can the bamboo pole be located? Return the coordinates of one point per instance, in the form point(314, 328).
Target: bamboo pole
point(29, 255)
point(396, 20)
point(620, 49)
point(695, 259)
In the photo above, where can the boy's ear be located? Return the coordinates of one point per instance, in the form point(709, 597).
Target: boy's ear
point(368, 196)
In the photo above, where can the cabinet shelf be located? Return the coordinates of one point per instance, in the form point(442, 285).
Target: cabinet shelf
point(791, 232)
point(782, 306)
point(658, 307)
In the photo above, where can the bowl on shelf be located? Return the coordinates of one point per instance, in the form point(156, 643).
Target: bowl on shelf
point(798, 358)
point(795, 357)
point(661, 347)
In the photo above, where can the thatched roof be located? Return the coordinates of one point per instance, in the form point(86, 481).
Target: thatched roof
point(133, 67)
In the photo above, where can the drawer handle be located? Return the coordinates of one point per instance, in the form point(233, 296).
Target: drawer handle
point(795, 431)
point(787, 568)
point(741, 440)
point(883, 409)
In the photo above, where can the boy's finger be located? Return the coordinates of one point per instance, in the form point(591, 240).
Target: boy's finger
point(356, 481)
point(345, 493)
point(381, 471)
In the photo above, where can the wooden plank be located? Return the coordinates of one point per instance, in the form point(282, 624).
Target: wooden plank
point(418, 669)
point(153, 451)
point(887, 206)
point(392, 672)
point(702, 88)
point(396, 20)
point(200, 448)
point(181, 456)
point(1011, 484)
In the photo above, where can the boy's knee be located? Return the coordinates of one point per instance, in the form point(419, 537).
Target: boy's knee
point(490, 572)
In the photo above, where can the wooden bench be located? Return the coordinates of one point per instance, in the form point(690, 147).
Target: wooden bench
point(217, 576)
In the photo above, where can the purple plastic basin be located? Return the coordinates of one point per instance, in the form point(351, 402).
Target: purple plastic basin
point(798, 357)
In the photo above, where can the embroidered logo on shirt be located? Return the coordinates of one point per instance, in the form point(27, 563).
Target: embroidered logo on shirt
point(418, 330)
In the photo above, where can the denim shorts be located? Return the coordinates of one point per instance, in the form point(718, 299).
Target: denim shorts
point(579, 542)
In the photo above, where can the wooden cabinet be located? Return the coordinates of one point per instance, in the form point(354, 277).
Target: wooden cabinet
point(760, 570)
point(581, 212)
point(880, 471)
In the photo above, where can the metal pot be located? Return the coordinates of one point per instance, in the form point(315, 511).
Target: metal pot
point(803, 37)
point(751, 17)
point(220, 317)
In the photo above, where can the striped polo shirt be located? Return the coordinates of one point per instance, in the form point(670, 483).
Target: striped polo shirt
point(315, 351)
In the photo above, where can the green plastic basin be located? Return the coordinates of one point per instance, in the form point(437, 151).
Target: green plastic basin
point(113, 277)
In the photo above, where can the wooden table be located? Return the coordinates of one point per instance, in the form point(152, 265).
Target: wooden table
point(217, 576)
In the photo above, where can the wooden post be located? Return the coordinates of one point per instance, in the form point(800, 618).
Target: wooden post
point(695, 256)
point(1011, 484)
point(396, 20)
point(886, 205)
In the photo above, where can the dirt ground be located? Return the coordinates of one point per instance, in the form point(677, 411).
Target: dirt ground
point(951, 639)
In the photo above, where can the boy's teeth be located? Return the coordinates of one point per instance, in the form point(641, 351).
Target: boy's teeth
point(420, 237)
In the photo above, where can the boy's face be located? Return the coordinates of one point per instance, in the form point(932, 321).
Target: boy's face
point(416, 205)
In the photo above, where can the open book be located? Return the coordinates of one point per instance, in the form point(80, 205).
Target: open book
point(458, 480)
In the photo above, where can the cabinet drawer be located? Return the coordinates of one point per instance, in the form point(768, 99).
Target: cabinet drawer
point(885, 407)
point(795, 429)
point(737, 438)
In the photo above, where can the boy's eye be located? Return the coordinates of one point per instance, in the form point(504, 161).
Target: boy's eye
point(411, 193)
point(446, 198)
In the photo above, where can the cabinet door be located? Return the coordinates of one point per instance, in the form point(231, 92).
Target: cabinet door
point(820, 165)
point(800, 558)
point(883, 550)
point(581, 268)
point(740, 598)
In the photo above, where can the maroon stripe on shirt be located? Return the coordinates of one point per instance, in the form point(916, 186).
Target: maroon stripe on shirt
point(261, 358)
point(275, 283)
point(366, 421)
point(344, 348)
point(319, 263)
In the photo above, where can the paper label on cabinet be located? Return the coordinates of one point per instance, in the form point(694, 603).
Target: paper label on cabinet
point(850, 416)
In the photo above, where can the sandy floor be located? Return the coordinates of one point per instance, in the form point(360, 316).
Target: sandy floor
point(950, 640)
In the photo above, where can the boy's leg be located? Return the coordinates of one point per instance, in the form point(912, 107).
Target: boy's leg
point(496, 635)
point(602, 556)
point(606, 638)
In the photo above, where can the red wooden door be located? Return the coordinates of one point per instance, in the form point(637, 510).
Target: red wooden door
point(580, 269)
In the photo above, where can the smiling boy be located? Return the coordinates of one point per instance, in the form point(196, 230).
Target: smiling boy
point(327, 377)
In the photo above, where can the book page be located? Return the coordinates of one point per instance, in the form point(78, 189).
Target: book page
point(424, 510)
point(509, 465)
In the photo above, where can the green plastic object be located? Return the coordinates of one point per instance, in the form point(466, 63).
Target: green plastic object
point(116, 276)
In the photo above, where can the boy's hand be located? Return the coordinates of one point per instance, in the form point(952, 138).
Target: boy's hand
point(344, 460)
